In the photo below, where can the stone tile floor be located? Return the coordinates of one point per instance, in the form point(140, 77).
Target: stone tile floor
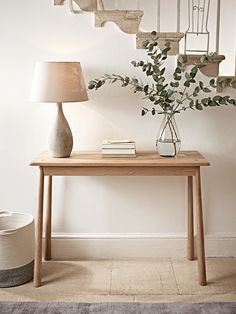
point(126, 280)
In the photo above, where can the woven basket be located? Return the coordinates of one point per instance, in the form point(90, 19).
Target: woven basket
point(16, 248)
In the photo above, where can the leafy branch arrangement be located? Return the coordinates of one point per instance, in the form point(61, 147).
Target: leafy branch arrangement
point(182, 93)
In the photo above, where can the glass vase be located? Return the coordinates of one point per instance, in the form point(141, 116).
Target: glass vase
point(168, 140)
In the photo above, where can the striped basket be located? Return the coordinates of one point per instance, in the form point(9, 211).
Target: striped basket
point(16, 248)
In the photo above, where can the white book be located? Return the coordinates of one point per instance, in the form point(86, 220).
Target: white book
point(128, 151)
point(118, 144)
point(106, 146)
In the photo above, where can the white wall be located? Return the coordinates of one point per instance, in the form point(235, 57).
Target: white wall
point(152, 211)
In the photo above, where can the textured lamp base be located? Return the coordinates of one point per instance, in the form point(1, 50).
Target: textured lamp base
point(61, 139)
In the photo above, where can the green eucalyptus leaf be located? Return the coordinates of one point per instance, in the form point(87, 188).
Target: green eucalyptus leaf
point(178, 70)
point(144, 111)
point(198, 105)
point(194, 70)
point(164, 51)
point(157, 102)
point(191, 103)
point(187, 76)
point(174, 84)
point(146, 87)
point(145, 43)
point(212, 103)
point(139, 88)
point(223, 101)
point(206, 90)
point(99, 84)
point(217, 98)
point(177, 77)
point(183, 59)
point(170, 92)
point(212, 82)
point(205, 101)
point(201, 85)
point(162, 71)
point(233, 84)
point(197, 89)
point(91, 86)
point(159, 87)
point(150, 48)
point(163, 93)
point(162, 80)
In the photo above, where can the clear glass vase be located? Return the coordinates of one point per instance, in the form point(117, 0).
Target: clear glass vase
point(168, 140)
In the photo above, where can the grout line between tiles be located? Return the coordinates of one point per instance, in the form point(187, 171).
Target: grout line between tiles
point(171, 262)
point(112, 264)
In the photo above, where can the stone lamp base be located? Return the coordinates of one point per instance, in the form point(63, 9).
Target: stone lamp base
point(61, 139)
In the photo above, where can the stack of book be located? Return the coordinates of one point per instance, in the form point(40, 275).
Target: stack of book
point(120, 148)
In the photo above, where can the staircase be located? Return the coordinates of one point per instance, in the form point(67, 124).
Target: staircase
point(129, 21)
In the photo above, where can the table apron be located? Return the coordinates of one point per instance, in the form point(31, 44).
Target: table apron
point(119, 171)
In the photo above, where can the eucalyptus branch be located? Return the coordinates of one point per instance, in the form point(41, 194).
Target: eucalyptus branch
point(163, 94)
point(181, 99)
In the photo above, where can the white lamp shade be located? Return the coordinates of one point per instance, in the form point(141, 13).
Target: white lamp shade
point(58, 82)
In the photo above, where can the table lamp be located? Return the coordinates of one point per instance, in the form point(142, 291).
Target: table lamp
point(58, 82)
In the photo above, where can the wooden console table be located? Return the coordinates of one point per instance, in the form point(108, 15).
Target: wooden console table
point(187, 164)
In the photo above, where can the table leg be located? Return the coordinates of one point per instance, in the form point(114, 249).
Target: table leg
point(190, 253)
point(38, 232)
point(200, 231)
point(48, 221)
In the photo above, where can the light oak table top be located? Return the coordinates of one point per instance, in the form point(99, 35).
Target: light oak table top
point(145, 158)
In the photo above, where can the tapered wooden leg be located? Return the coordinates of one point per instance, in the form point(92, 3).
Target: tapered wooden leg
point(200, 231)
point(38, 232)
point(48, 221)
point(190, 251)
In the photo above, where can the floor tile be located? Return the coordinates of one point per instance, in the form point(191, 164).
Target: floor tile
point(221, 276)
point(67, 278)
point(143, 277)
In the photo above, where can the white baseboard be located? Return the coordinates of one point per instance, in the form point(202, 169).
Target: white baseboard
point(75, 246)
